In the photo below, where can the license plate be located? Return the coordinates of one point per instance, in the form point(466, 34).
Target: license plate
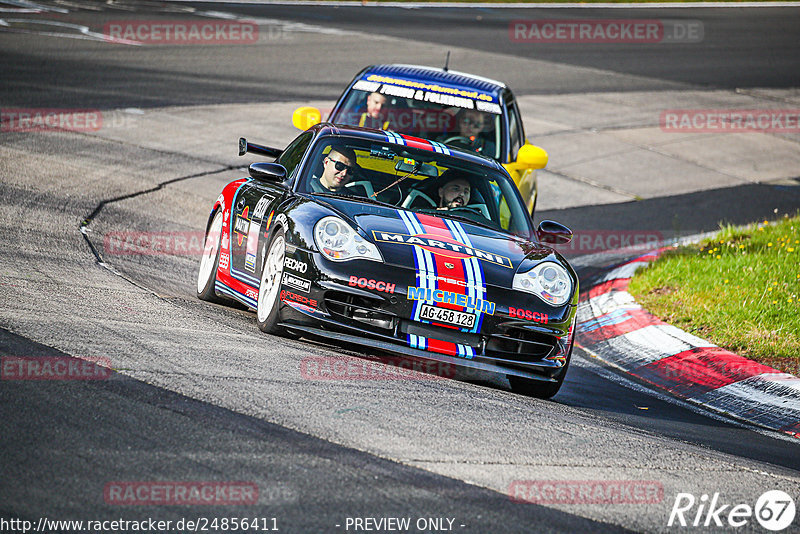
point(443, 315)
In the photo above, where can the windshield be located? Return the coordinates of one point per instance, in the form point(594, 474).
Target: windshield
point(415, 179)
point(463, 123)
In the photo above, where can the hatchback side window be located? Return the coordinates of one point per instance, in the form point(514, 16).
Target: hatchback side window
point(293, 154)
point(517, 136)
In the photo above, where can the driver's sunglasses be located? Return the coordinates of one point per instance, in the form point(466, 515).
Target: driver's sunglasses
point(472, 122)
point(341, 166)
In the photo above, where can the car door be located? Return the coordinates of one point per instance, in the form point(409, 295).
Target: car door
point(254, 210)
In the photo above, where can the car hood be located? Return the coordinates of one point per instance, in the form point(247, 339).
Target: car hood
point(401, 235)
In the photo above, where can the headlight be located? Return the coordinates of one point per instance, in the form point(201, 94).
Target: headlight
point(339, 242)
point(549, 281)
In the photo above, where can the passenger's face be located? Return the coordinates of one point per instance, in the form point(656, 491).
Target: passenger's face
point(471, 123)
point(376, 105)
point(454, 193)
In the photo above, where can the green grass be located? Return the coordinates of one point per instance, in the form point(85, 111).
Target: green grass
point(738, 290)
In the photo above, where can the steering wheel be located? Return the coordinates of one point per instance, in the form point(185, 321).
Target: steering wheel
point(458, 138)
point(470, 209)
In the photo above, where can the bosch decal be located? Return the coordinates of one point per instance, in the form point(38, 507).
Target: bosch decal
point(520, 313)
point(442, 245)
point(366, 283)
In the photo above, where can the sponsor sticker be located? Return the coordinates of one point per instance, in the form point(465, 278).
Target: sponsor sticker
point(295, 265)
point(298, 283)
point(520, 313)
point(442, 246)
point(449, 297)
point(301, 299)
point(369, 283)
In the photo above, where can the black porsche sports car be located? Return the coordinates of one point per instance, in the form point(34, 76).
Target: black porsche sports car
point(398, 243)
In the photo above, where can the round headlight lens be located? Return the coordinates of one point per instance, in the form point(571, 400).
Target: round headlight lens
point(337, 241)
point(548, 281)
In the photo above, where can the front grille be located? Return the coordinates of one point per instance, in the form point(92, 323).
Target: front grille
point(355, 308)
point(520, 344)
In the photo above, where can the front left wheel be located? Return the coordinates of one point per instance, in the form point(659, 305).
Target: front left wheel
point(538, 388)
point(267, 315)
point(207, 274)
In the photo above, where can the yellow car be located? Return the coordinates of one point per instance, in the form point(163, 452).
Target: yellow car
point(461, 110)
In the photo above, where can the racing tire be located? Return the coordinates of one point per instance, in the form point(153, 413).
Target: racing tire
point(268, 310)
point(537, 388)
point(207, 273)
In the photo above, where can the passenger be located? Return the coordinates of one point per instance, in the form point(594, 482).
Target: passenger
point(377, 114)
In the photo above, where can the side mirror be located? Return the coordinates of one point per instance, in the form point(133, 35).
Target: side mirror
point(305, 117)
point(532, 156)
point(268, 172)
point(553, 233)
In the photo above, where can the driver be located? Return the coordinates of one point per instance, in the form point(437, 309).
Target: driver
point(377, 114)
point(471, 127)
point(338, 169)
point(454, 193)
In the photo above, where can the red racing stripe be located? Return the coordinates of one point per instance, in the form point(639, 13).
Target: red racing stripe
point(618, 284)
point(699, 370)
point(417, 142)
point(442, 347)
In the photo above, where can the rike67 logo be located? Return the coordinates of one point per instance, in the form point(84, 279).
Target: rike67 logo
point(774, 510)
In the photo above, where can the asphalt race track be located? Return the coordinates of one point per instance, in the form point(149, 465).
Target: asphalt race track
point(198, 393)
